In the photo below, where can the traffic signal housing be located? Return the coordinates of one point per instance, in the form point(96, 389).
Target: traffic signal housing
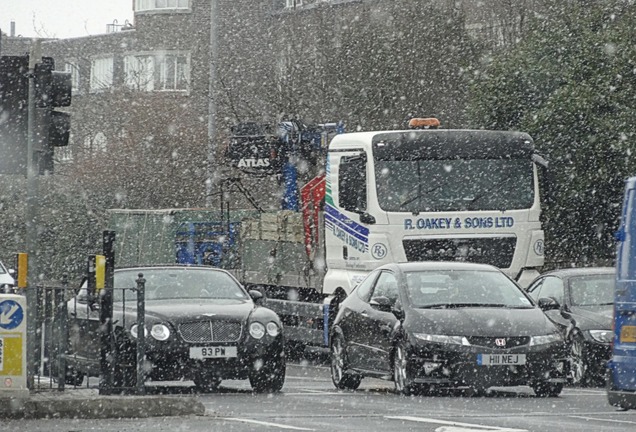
point(14, 92)
point(52, 90)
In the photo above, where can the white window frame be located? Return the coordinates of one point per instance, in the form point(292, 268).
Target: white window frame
point(290, 3)
point(154, 5)
point(71, 66)
point(138, 72)
point(158, 71)
point(101, 74)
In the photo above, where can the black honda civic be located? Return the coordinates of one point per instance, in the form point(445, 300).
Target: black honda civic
point(200, 325)
point(445, 324)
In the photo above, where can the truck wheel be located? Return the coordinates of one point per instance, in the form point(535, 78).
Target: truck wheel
point(270, 378)
point(73, 377)
point(294, 350)
point(341, 378)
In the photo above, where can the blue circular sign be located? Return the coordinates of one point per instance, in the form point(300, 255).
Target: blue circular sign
point(11, 314)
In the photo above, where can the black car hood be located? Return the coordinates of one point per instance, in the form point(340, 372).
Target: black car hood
point(472, 321)
point(193, 310)
point(593, 317)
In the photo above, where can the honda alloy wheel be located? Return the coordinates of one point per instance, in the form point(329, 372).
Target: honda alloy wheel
point(401, 373)
point(578, 367)
point(341, 378)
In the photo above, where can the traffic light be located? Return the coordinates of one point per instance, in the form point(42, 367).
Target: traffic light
point(52, 90)
point(14, 91)
point(51, 128)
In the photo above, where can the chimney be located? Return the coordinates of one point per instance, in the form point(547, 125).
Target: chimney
point(12, 29)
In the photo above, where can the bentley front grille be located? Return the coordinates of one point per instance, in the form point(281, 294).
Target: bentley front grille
point(210, 331)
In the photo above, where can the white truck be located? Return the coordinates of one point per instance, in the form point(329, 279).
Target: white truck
point(386, 196)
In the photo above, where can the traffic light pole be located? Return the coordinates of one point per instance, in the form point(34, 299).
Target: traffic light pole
point(32, 222)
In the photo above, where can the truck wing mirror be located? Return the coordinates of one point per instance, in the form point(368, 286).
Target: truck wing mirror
point(366, 218)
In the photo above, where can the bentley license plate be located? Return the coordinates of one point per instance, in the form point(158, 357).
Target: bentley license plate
point(628, 334)
point(212, 352)
point(500, 359)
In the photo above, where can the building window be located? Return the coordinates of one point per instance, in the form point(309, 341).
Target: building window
point(148, 5)
point(157, 71)
point(72, 68)
point(101, 74)
point(294, 3)
point(65, 154)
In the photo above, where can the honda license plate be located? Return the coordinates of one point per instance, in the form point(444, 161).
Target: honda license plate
point(500, 359)
point(212, 352)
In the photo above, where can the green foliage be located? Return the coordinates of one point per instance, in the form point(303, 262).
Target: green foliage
point(571, 84)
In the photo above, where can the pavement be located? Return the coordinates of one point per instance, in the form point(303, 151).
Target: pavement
point(87, 403)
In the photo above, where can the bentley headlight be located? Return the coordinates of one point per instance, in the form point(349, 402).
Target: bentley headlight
point(257, 330)
point(134, 331)
point(160, 332)
point(603, 336)
point(273, 329)
point(545, 339)
point(443, 339)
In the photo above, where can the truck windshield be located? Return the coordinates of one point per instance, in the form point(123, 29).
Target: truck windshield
point(454, 184)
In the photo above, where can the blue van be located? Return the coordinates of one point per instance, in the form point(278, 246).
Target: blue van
point(621, 382)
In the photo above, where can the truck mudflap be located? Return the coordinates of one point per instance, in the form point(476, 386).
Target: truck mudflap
point(303, 323)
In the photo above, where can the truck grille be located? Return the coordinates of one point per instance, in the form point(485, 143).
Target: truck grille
point(210, 331)
point(497, 251)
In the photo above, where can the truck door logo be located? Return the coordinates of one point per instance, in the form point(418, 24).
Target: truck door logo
point(379, 251)
point(538, 247)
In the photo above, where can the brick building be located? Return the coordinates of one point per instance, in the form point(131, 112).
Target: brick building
point(170, 85)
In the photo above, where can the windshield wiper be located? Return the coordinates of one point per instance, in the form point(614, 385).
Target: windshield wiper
point(417, 196)
point(435, 306)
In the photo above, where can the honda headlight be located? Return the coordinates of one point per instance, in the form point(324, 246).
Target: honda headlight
point(602, 336)
point(545, 339)
point(443, 339)
point(257, 330)
point(160, 332)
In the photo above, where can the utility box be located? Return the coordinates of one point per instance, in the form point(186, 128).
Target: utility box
point(13, 379)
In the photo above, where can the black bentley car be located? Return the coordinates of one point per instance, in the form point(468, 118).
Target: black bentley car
point(582, 307)
point(201, 325)
point(445, 324)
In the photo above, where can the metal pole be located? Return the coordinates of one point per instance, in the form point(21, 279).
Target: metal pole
point(212, 108)
point(108, 355)
point(32, 216)
point(62, 317)
point(141, 333)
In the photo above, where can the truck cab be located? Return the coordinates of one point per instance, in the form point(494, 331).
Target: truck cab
point(621, 382)
point(431, 195)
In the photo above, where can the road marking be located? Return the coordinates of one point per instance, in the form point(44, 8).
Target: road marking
point(262, 423)
point(464, 426)
point(603, 420)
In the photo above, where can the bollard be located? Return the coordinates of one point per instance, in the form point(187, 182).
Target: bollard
point(141, 333)
point(13, 366)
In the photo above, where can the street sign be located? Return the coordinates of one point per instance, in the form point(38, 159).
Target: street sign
point(11, 314)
